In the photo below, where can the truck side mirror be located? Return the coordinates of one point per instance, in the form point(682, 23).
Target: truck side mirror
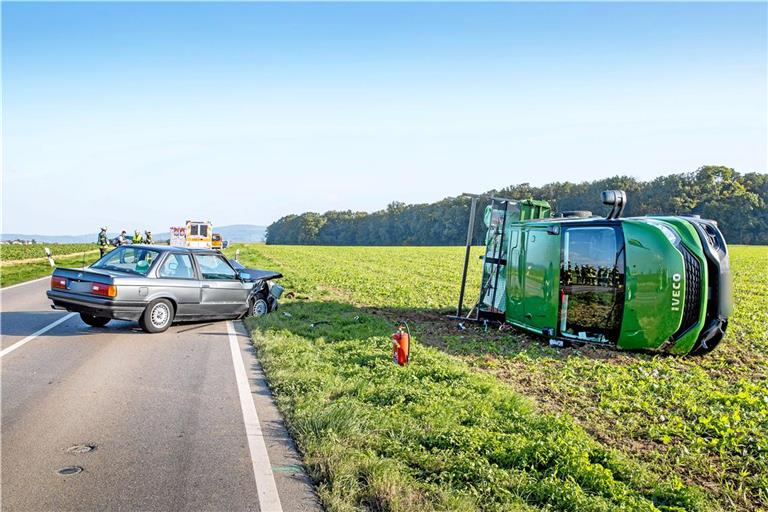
point(617, 200)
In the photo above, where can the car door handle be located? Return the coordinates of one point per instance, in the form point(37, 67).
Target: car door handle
point(206, 286)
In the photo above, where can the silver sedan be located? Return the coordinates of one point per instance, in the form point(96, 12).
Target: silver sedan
point(157, 285)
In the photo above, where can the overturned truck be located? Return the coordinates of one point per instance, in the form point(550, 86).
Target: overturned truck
point(657, 283)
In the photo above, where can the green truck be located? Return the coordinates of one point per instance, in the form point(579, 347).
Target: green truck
point(659, 283)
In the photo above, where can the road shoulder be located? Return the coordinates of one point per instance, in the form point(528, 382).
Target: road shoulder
point(293, 484)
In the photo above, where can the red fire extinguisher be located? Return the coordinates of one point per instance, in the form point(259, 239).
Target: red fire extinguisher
point(401, 344)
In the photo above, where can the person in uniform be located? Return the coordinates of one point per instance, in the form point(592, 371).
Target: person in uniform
point(148, 237)
point(136, 237)
point(103, 242)
point(122, 238)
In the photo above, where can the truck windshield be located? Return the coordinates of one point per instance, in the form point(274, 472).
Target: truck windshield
point(591, 283)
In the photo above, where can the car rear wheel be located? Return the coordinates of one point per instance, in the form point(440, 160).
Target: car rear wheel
point(258, 306)
point(158, 316)
point(94, 321)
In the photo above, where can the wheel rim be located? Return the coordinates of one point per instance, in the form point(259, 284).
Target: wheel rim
point(259, 308)
point(160, 315)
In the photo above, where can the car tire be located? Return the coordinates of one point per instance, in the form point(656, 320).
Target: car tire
point(157, 317)
point(258, 306)
point(94, 321)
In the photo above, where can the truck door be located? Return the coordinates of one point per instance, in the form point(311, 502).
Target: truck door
point(223, 294)
point(541, 277)
point(592, 283)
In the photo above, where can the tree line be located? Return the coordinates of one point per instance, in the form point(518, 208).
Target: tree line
point(736, 201)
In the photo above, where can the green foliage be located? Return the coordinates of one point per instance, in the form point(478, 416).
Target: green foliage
point(703, 419)
point(395, 277)
point(20, 272)
point(434, 435)
point(737, 201)
point(9, 252)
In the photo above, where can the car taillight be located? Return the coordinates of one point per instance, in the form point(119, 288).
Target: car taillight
point(59, 282)
point(107, 290)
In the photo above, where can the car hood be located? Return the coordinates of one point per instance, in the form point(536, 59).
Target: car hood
point(261, 275)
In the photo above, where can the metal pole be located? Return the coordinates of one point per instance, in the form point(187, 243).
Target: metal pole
point(470, 235)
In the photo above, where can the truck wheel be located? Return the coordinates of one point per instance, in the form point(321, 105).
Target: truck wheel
point(157, 317)
point(577, 214)
point(94, 321)
point(258, 306)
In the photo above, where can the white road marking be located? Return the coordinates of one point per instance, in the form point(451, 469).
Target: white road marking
point(269, 500)
point(22, 284)
point(34, 335)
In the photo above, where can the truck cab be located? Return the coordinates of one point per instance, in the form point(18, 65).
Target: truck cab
point(657, 283)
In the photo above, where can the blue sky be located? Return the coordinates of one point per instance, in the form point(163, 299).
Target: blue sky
point(147, 114)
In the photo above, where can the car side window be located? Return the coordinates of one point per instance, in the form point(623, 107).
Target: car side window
point(214, 267)
point(177, 266)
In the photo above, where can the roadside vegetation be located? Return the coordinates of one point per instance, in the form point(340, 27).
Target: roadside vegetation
point(649, 430)
point(10, 252)
point(20, 272)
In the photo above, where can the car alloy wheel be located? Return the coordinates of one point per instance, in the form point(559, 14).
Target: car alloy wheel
point(160, 315)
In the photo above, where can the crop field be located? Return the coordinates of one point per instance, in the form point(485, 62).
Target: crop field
point(498, 420)
point(23, 252)
point(18, 272)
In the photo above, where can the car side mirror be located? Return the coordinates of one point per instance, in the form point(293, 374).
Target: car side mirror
point(245, 276)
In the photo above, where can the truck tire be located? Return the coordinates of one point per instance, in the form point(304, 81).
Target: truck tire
point(577, 214)
point(157, 317)
point(94, 321)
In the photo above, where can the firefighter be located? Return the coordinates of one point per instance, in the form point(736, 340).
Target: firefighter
point(136, 237)
point(148, 237)
point(103, 242)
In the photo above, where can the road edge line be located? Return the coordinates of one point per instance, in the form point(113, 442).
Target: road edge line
point(25, 282)
point(266, 488)
point(34, 335)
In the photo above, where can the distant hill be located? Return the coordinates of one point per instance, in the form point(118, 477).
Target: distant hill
point(234, 233)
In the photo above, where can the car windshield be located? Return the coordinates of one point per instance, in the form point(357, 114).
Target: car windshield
point(592, 283)
point(130, 259)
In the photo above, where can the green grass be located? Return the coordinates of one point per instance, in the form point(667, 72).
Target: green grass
point(434, 435)
point(17, 273)
point(10, 252)
point(701, 419)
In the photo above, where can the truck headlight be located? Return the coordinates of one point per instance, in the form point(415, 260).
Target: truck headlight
point(670, 233)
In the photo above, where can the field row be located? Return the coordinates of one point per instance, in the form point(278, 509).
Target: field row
point(703, 419)
point(10, 252)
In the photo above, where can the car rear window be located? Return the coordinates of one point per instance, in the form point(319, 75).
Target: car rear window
point(133, 260)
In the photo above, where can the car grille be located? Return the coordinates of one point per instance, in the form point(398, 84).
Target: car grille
point(692, 306)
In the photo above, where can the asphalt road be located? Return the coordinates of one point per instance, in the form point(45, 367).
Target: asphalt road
point(171, 426)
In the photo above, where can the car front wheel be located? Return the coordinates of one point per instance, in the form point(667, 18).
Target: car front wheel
point(258, 306)
point(157, 317)
point(94, 321)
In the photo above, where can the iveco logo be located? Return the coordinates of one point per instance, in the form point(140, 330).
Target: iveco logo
point(676, 278)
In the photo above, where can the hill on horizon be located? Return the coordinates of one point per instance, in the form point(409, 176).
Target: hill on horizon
point(233, 233)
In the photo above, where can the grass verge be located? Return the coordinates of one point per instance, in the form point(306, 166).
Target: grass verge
point(434, 435)
point(18, 273)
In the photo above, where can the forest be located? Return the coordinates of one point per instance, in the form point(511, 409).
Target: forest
point(736, 201)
